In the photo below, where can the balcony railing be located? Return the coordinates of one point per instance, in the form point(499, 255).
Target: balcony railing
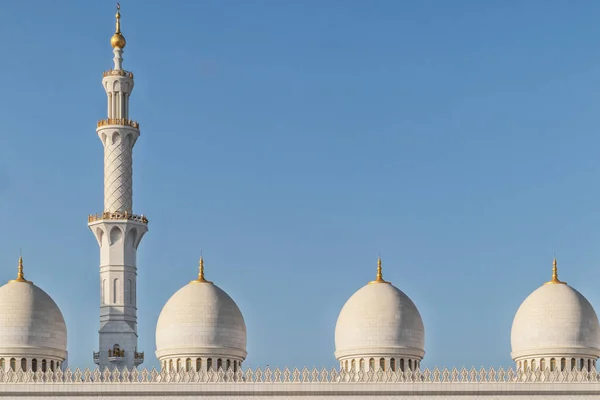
point(117, 215)
point(96, 357)
point(117, 72)
point(118, 121)
point(138, 358)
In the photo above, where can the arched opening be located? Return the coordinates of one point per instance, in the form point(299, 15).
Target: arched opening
point(198, 364)
point(235, 365)
point(44, 366)
point(188, 365)
point(525, 365)
point(393, 364)
point(13, 364)
point(552, 364)
point(23, 364)
point(361, 364)
point(346, 365)
point(219, 364)
point(589, 365)
point(178, 365)
point(115, 284)
point(2, 366)
point(382, 364)
point(533, 365)
point(372, 364)
point(402, 364)
point(353, 365)
point(581, 364)
point(573, 362)
point(52, 365)
point(563, 364)
point(209, 364)
point(543, 364)
point(228, 365)
point(170, 365)
point(410, 367)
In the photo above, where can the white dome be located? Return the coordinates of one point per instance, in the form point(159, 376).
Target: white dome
point(31, 323)
point(379, 320)
point(555, 320)
point(200, 319)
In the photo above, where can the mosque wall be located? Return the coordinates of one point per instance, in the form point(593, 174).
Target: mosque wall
point(305, 384)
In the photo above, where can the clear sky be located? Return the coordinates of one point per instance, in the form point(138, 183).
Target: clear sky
point(293, 141)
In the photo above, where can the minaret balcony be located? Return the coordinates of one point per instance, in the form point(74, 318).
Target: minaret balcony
point(138, 358)
point(117, 215)
point(117, 72)
point(116, 355)
point(118, 121)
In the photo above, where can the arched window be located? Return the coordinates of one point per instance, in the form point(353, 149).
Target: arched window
point(552, 364)
point(23, 364)
point(543, 364)
point(525, 365)
point(353, 365)
point(581, 364)
point(209, 364)
point(188, 365)
point(410, 367)
point(13, 364)
point(44, 366)
point(52, 365)
point(402, 364)
point(361, 364)
point(346, 365)
point(178, 365)
point(563, 364)
point(382, 364)
point(235, 366)
point(372, 364)
point(198, 364)
point(393, 364)
point(170, 365)
point(219, 364)
point(533, 365)
point(228, 365)
point(573, 362)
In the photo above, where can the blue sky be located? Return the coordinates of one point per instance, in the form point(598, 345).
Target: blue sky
point(292, 142)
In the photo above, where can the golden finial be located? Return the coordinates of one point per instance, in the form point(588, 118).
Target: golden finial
point(118, 40)
point(555, 274)
point(20, 275)
point(379, 277)
point(201, 278)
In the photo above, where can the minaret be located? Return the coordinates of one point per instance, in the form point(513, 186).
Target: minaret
point(117, 229)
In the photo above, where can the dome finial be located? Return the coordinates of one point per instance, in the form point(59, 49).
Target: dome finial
point(20, 275)
point(118, 40)
point(379, 277)
point(555, 273)
point(201, 278)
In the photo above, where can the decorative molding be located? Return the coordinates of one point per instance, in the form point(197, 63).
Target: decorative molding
point(305, 376)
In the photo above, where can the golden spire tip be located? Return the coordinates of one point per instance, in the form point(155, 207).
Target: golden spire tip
point(379, 277)
point(201, 272)
point(118, 40)
point(20, 274)
point(555, 273)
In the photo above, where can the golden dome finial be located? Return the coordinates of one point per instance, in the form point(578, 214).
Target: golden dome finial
point(379, 277)
point(118, 40)
point(20, 275)
point(201, 273)
point(555, 274)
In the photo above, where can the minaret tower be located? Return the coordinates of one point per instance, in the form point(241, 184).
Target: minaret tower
point(117, 229)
